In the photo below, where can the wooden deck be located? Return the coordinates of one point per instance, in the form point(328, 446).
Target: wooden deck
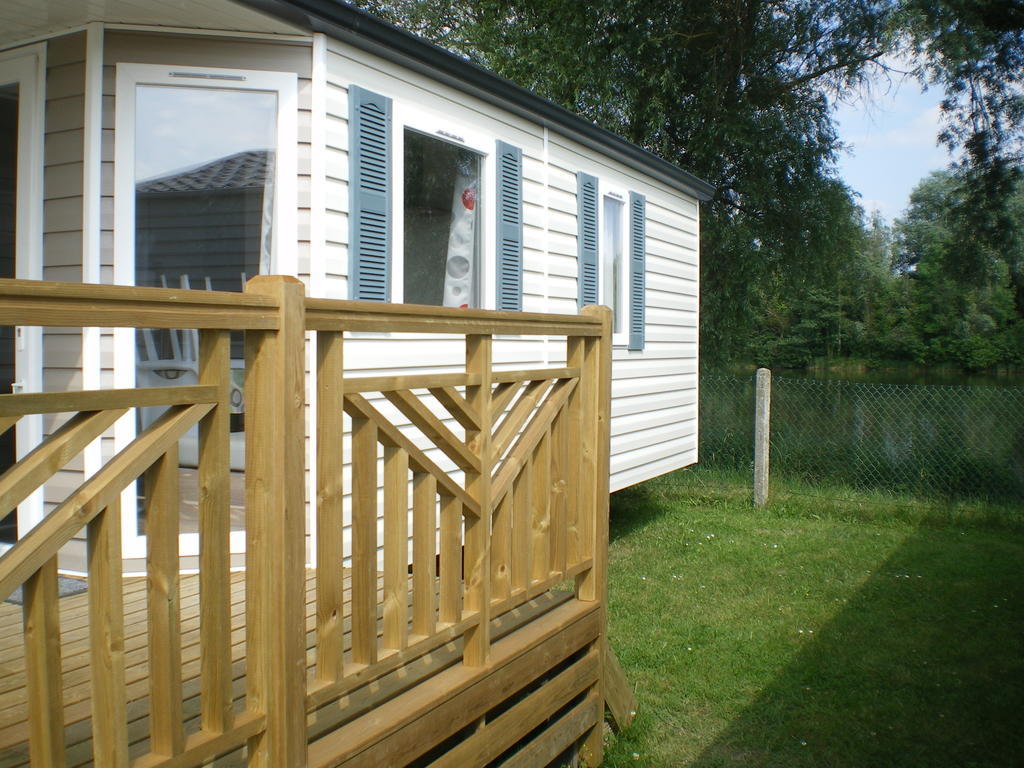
point(325, 721)
point(456, 613)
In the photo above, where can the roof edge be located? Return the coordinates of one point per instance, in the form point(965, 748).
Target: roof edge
point(358, 28)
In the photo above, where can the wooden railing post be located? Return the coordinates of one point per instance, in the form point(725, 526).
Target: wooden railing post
point(592, 585)
point(478, 485)
point(275, 528)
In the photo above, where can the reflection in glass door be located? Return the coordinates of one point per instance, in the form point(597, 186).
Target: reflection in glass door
point(199, 182)
point(204, 168)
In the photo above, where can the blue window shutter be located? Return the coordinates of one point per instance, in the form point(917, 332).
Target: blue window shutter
point(370, 195)
point(510, 227)
point(637, 268)
point(586, 205)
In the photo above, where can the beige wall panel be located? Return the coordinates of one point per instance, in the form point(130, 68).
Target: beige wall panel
point(63, 180)
point(66, 49)
point(63, 214)
point(64, 81)
point(64, 114)
point(62, 147)
point(204, 51)
point(64, 274)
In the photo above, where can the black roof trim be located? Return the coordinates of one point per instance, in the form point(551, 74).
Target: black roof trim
point(356, 27)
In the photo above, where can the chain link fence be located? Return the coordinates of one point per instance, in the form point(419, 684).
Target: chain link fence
point(956, 441)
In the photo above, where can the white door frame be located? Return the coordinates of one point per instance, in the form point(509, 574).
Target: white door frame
point(26, 66)
point(284, 238)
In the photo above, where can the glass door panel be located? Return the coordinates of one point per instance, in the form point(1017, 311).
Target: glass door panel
point(204, 196)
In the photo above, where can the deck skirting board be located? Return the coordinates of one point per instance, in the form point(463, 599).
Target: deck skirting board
point(406, 727)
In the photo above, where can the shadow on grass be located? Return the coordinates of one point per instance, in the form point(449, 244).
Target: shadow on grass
point(633, 508)
point(923, 666)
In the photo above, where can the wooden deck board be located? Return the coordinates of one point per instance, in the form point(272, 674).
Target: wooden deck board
point(76, 673)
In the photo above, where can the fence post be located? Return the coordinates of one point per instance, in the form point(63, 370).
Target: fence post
point(275, 527)
point(762, 432)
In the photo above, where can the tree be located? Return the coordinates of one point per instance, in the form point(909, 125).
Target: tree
point(976, 321)
point(974, 51)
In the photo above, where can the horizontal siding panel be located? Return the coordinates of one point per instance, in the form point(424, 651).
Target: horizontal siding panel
point(562, 176)
point(671, 334)
point(638, 466)
point(682, 217)
point(642, 367)
point(646, 402)
point(679, 316)
point(642, 421)
point(671, 301)
point(65, 114)
point(337, 89)
point(561, 201)
point(562, 266)
point(564, 224)
point(685, 269)
point(653, 385)
point(653, 437)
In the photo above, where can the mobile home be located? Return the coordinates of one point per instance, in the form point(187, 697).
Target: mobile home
point(193, 146)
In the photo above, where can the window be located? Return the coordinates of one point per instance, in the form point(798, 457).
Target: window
point(429, 224)
point(614, 277)
point(441, 209)
point(612, 253)
point(442, 248)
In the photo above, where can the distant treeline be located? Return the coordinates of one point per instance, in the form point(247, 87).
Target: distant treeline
point(927, 289)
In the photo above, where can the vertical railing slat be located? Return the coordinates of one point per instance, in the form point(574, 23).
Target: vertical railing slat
point(501, 550)
point(478, 484)
point(522, 529)
point(586, 491)
point(574, 416)
point(166, 736)
point(43, 668)
point(396, 547)
point(559, 456)
point(106, 640)
point(541, 461)
point(215, 535)
point(451, 560)
point(329, 512)
point(364, 541)
point(424, 524)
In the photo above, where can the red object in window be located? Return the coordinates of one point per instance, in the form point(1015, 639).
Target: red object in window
point(469, 198)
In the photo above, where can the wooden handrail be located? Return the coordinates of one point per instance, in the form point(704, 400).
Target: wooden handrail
point(103, 399)
point(44, 303)
point(339, 315)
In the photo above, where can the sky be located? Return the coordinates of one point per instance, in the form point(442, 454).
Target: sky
point(891, 134)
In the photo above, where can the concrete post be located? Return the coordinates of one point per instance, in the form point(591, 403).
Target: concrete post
point(762, 432)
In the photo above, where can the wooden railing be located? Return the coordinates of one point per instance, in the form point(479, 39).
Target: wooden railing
point(508, 472)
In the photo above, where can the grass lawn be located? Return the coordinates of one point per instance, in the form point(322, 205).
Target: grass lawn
point(868, 632)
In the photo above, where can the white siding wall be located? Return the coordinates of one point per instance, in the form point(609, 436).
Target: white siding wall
point(654, 408)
